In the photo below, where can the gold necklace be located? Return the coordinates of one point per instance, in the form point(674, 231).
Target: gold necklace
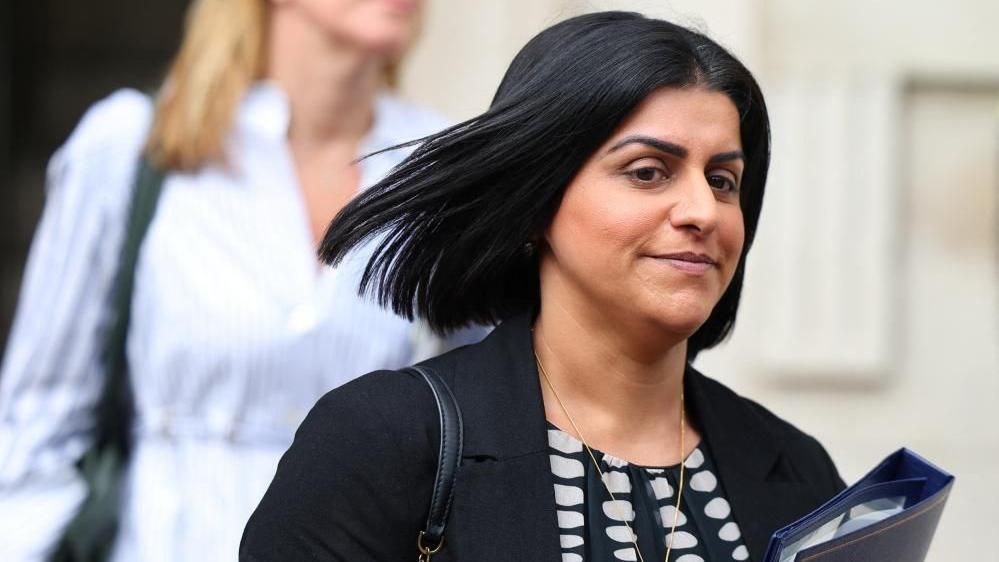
point(617, 505)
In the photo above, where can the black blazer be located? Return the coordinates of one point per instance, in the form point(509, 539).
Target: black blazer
point(356, 483)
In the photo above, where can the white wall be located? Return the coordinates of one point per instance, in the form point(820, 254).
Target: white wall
point(954, 37)
point(465, 47)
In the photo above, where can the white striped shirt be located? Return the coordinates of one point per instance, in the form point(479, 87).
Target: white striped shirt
point(236, 331)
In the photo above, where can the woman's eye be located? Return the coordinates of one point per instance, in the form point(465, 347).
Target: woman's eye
point(723, 183)
point(647, 174)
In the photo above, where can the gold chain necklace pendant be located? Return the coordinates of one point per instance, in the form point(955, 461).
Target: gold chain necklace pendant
point(596, 465)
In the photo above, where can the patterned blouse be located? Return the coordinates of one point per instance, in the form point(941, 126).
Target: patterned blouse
point(591, 524)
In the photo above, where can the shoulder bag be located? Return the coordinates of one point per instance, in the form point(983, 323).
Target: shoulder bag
point(89, 536)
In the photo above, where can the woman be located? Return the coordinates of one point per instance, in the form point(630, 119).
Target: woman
point(236, 328)
point(601, 211)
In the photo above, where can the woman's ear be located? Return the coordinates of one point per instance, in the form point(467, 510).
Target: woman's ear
point(536, 244)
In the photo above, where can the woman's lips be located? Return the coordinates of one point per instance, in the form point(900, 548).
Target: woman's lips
point(688, 262)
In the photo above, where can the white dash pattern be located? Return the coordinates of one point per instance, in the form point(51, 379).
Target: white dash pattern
point(595, 527)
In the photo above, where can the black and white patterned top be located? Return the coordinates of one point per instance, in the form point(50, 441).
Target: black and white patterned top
point(591, 525)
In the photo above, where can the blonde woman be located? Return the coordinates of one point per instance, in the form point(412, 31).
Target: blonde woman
point(236, 328)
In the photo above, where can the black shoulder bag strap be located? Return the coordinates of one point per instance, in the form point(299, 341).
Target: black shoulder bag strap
point(90, 534)
point(431, 539)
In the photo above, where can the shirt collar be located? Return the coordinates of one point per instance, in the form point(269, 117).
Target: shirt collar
point(266, 111)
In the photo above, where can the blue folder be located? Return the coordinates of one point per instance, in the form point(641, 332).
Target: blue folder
point(889, 515)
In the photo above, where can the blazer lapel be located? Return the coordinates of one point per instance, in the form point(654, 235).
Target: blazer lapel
point(505, 510)
point(504, 503)
point(763, 497)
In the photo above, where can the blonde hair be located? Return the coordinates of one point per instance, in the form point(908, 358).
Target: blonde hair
point(222, 53)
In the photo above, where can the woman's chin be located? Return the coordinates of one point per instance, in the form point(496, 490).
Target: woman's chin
point(389, 41)
point(679, 323)
point(677, 311)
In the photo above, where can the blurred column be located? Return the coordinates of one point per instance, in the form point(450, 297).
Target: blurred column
point(824, 271)
point(943, 401)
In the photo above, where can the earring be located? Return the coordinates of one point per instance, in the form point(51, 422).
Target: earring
point(529, 248)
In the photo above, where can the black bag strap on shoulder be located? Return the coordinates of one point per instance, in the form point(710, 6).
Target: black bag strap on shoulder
point(431, 538)
point(89, 536)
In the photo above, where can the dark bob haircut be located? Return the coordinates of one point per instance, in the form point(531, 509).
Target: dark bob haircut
point(452, 220)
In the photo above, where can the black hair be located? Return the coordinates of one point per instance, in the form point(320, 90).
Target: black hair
point(452, 220)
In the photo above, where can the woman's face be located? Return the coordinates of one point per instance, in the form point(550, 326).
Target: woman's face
point(382, 26)
point(650, 231)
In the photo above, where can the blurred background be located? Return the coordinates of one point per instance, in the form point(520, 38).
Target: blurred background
point(871, 308)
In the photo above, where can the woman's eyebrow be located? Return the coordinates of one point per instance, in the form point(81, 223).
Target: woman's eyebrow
point(674, 149)
point(658, 144)
point(727, 157)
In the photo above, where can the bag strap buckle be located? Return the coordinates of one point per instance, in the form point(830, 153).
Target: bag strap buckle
point(426, 552)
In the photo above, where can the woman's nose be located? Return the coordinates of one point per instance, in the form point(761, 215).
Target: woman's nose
point(695, 207)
